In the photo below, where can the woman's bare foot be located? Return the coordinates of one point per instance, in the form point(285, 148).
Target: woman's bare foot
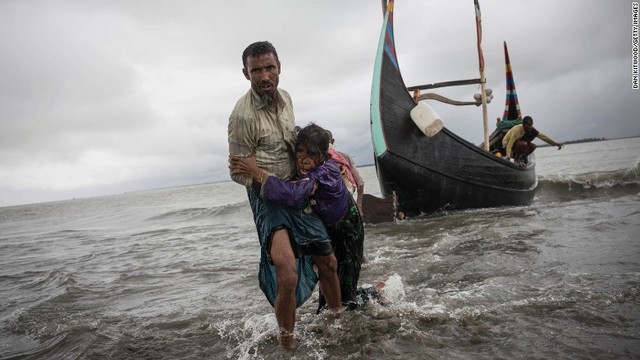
point(287, 340)
point(336, 313)
point(378, 285)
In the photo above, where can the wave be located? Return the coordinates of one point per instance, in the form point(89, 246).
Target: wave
point(44, 295)
point(598, 179)
point(206, 213)
point(593, 184)
point(45, 281)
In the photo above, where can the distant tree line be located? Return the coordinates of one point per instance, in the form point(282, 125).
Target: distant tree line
point(577, 141)
point(584, 140)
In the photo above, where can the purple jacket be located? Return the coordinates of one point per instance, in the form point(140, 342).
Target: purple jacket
point(332, 197)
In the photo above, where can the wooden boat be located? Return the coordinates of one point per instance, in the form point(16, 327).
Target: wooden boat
point(425, 174)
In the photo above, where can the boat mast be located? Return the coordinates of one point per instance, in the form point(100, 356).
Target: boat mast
point(485, 115)
point(483, 80)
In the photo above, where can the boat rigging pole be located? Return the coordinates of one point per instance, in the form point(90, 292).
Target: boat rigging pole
point(483, 80)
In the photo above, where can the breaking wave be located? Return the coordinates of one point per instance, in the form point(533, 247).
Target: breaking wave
point(599, 183)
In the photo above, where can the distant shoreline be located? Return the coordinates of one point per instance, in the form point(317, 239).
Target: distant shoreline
point(580, 141)
point(588, 140)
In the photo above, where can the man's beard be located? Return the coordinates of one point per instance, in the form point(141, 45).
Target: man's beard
point(269, 98)
point(270, 95)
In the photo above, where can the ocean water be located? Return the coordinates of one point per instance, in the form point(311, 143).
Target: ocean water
point(172, 274)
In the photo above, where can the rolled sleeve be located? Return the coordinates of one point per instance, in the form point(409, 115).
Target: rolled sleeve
point(241, 142)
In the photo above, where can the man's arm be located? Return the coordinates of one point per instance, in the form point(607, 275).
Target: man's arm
point(513, 135)
point(549, 140)
point(240, 144)
point(509, 140)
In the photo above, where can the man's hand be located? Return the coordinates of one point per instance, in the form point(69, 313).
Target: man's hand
point(246, 166)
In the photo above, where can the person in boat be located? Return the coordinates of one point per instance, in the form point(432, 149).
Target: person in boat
point(350, 174)
point(263, 121)
point(320, 188)
point(518, 141)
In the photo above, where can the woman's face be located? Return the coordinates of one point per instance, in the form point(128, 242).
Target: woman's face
point(306, 162)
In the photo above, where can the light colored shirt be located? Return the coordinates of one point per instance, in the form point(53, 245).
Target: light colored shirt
point(516, 133)
point(253, 126)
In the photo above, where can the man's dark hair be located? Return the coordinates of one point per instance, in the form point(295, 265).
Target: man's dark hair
point(528, 120)
point(315, 138)
point(258, 49)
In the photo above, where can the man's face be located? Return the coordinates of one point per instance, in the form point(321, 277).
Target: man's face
point(264, 73)
point(527, 126)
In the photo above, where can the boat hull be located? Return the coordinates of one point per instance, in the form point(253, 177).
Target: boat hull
point(427, 174)
point(420, 189)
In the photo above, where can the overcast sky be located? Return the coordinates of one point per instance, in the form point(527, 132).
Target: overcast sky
point(103, 97)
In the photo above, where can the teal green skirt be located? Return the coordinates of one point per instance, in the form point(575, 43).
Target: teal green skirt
point(303, 229)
